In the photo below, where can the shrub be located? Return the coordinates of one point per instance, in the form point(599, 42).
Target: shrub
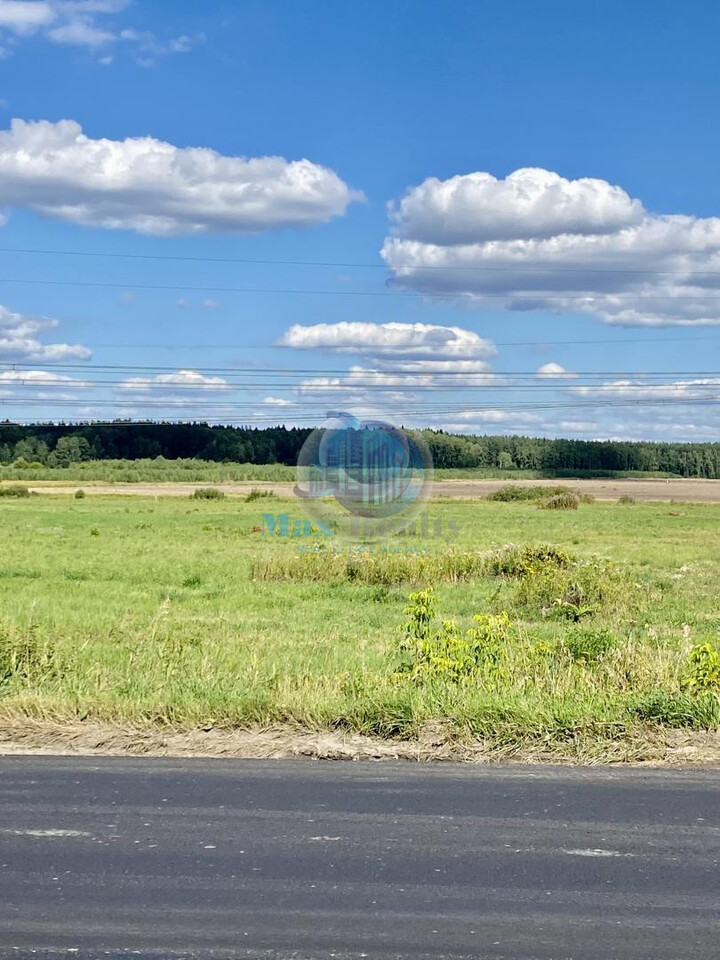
point(79, 494)
point(207, 493)
point(561, 501)
point(256, 494)
point(703, 672)
point(14, 490)
point(512, 492)
point(441, 651)
point(626, 500)
point(512, 561)
point(574, 592)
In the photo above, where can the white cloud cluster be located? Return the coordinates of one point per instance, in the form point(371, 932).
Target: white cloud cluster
point(19, 340)
point(85, 23)
point(179, 380)
point(153, 187)
point(390, 340)
point(707, 388)
point(537, 241)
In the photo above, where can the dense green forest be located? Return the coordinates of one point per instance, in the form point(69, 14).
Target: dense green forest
point(59, 445)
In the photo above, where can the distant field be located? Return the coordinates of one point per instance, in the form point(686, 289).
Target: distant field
point(177, 613)
point(160, 470)
point(693, 491)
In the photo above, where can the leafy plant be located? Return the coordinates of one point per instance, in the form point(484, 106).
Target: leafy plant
point(79, 494)
point(703, 671)
point(443, 651)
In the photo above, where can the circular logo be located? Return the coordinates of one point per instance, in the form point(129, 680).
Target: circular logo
point(362, 479)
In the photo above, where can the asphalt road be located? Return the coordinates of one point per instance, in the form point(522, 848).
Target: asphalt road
point(277, 860)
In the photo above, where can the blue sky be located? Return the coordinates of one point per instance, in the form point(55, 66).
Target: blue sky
point(577, 298)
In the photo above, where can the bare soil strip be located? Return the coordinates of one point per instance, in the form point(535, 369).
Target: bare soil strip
point(688, 491)
point(649, 748)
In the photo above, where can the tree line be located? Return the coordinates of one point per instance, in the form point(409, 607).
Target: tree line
point(59, 445)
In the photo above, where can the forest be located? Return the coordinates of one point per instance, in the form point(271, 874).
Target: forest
point(59, 445)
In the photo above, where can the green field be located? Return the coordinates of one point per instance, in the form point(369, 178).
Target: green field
point(178, 612)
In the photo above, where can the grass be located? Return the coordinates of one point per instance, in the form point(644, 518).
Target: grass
point(178, 612)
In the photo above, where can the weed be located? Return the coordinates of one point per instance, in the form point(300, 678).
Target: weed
point(79, 494)
point(589, 646)
point(256, 494)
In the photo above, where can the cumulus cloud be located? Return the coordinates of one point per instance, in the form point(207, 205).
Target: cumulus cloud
point(554, 371)
point(156, 188)
point(19, 340)
point(537, 241)
point(390, 340)
point(277, 402)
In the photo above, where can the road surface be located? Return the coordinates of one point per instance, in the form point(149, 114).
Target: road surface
point(288, 860)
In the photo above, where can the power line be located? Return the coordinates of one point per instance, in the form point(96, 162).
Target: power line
point(334, 293)
point(567, 267)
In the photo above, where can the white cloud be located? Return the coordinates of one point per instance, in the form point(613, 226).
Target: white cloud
point(210, 304)
point(277, 402)
point(390, 340)
point(699, 389)
point(19, 340)
point(156, 188)
point(39, 377)
point(536, 241)
point(189, 380)
point(554, 371)
point(86, 23)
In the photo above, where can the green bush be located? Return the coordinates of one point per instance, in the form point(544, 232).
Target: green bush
point(512, 561)
point(703, 672)
point(79, 494)
point(14, 490)
point(561, 501)
point(512, 493)
point(572, 593)
point(626, 500)
point(207, 493)
point(441, 651)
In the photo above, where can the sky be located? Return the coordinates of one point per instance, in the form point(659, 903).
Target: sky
point(485, 217)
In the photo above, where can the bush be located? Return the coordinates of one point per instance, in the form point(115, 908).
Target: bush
point(703, 672)
point(626, 500)
point(561, 501)
point(256, 494)
point(572, 593)
point(512, 561)
point(207, 493)
point(79, 494)
point(14, 490)
point(512, 492)
point(441, 651)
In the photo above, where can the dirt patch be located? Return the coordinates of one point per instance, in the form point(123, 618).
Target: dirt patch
point(688, 491)
point(656, 748)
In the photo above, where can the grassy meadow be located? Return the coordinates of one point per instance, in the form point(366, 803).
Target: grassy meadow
point(179, 612)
